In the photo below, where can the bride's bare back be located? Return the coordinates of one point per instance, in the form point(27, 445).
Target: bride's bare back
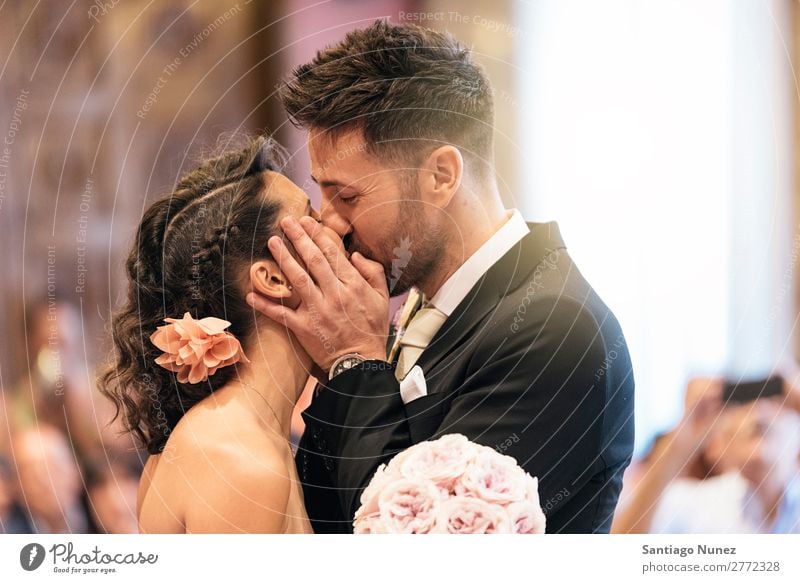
point(222, 471)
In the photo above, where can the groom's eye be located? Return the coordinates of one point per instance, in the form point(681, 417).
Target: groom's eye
point(350, 199)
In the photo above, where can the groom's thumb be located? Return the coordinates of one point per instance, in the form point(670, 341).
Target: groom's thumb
point(372, 271)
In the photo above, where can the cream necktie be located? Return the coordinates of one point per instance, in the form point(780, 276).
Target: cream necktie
point(422, 328)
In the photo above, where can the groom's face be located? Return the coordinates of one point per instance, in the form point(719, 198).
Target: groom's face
point(376, 208)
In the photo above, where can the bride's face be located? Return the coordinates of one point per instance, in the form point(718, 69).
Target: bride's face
point(266, 276)
point(294, 201)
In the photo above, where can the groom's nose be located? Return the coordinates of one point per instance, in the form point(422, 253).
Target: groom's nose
point(333, 220)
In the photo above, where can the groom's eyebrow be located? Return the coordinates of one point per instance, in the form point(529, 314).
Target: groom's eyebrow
point(326, 183)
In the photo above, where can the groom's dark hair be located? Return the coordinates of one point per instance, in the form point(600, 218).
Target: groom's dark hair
point(409, 89)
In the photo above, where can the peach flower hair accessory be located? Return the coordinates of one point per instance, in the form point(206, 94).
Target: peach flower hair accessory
point(196, 349)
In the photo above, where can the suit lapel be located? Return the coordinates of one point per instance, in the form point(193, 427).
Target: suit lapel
point(505, 276)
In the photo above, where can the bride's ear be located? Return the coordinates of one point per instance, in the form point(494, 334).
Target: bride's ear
point(267, 279)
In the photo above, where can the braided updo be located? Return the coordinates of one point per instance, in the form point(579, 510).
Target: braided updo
point(191, 254)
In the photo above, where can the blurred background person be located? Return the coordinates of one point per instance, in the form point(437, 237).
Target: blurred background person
point(725, 468)
point(60, 422)
point(754, 450)
point(49, 478)
point(53, 387)
point(111, 498)
point(12, 517)
point(675, 455)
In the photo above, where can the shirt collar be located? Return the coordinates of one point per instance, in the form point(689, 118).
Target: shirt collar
point(457, 286)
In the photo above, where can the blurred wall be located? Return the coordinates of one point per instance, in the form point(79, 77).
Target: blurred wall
point(492, 31)
point(793, 48)
point(102, 105)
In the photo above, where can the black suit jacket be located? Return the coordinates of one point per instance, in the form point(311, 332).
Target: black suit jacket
point(531, 362)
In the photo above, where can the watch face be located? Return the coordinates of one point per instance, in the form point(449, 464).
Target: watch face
point(345, 364)
point(348, 364)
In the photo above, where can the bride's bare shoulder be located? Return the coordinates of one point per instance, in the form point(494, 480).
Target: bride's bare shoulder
point(248, 494)
point(233, 476)
point(159, 506)
point(208, 430)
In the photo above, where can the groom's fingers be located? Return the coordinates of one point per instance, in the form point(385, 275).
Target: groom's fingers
point(277, 312)
point(373, 272)
point(294, 272)
point(331, 248)
point(311, 255)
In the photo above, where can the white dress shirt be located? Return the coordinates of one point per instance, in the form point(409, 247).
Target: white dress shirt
point(458, 285)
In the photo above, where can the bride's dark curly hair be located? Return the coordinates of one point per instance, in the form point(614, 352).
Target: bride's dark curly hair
point(190, 254)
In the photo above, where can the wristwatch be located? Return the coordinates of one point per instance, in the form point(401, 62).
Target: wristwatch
point(344, 363)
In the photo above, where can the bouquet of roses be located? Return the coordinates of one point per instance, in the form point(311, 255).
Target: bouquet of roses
point(450, 485)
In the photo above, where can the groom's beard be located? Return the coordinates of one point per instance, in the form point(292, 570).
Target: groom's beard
point(408, 255)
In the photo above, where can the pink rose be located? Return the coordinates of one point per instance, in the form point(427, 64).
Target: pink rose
point(531, 489)
point(195, 349)
point(450, 485)
point(526, 518)
point(369, 525)
point(494, 478)
point(369, 497)
point(461, 515)
point(443, 461)
point(406, 506)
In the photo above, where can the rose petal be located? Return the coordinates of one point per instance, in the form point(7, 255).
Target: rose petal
point(241, 355)
point(188, 327)
point(166, 338)
point(183, 374)
point(168, 362)
point(189, 353)
point(197, 373)
point(459, 515)
point(225, 347)
point(526, 518)
point(213, 325)
point(210, 360)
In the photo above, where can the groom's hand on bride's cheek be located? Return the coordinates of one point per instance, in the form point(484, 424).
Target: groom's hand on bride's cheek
point(344, 304)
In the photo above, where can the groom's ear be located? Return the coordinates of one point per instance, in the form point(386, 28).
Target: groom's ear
point(441, 175)
point(268, 280)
